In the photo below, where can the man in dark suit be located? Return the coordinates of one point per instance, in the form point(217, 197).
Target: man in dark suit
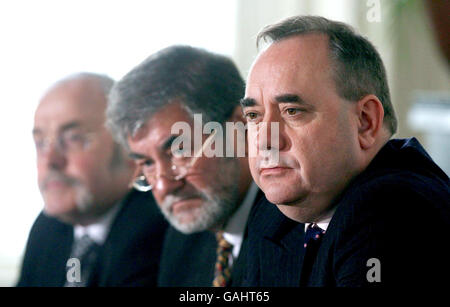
point(199, 177)
point(93, 230)
point(274, 258)
point(376, 210)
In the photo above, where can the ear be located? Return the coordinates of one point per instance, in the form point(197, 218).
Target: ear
point(370, 120)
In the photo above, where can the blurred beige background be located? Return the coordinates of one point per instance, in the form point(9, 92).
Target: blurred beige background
point(45, 40)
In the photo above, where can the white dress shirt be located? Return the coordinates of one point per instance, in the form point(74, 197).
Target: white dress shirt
point(234, 230)
point(99, 230)
point(323, 223)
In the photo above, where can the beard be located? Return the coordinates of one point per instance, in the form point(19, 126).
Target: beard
point(84, 199)
point(220, 201)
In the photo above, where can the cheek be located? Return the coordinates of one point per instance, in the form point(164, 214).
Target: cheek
point(90, 171)
point(205, 171)
point(252, 140)
point(311, 148)
point(41, 171)
point(321, 152)
point(253, 169)
point(158, 197)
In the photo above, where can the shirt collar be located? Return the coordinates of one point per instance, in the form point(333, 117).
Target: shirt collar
point(324, 222)
point(234, 230)
point(99, 230)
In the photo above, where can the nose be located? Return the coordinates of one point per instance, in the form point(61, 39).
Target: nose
point(165, 182)
point(54, 157)
point(270, 135)
point(165, 186)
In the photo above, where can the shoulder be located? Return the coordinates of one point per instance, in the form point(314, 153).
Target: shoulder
point(138, 228)
point(196, 253)
point(397, 191)
point(193, 248)
point(139, 214)
point(264, 217)
point(46, 227)
point(176, 240)
point(377, 203)
point(48, 232)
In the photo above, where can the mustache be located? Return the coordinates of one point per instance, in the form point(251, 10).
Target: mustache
point(57, 176)
point(271, 159)
point(170, 199)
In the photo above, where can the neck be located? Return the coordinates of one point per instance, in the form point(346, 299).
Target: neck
point(308, 210)
point(318, 205)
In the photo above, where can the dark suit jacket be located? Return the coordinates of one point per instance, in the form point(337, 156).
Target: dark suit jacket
point(274, 254)
point(129, 257)
point(189, 260)
point(397, 211)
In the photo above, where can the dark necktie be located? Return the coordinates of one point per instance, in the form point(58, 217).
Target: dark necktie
point(222, 273)
point(85, 250)
point(313, 238)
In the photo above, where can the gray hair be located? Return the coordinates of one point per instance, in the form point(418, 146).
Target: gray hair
point(203, 82)
point(358, 68)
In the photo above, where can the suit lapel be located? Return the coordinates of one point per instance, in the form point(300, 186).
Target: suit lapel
point(282, 252)
point(58, 256)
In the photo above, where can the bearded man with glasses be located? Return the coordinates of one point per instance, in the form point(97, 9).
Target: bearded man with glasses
point(206, 198)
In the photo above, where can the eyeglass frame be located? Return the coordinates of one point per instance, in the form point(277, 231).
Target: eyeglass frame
point(188, 167)
point(61, 142)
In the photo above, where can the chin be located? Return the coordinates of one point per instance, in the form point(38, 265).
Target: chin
point(185, 218)
point(55, 209)
point(279, 194)
point(56, 205)
point(298, 214)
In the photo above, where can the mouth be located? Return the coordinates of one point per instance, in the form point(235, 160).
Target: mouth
point(55, 185)
point(274, 171)
point(185, 204)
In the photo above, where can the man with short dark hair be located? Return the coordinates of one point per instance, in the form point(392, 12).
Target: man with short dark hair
point(93, 230)
point(362, 195)
point(170, 112)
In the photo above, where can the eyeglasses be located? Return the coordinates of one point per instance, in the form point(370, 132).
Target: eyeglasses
point(181, 165)
point(67, 142)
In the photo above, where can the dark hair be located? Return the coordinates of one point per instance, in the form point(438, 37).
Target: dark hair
point(202, 81)
point(358, 68)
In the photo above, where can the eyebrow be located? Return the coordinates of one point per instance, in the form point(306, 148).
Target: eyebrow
point(36, 131)
point(68, 126)
point(285, 98)
point(247, 102)
point(71, 125)
point(166, 145)
point(137, 156)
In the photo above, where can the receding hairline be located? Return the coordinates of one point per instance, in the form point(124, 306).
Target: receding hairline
point(86, 90)
point(268, 41)
point(82, 80)
point(319, 36)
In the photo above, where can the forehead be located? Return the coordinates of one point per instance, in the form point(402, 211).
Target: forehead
point(286, 64)
point(158, 127)
point(75, 102)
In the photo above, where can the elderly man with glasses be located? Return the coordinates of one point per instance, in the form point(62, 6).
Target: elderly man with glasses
point(93, 230)
point(206, 197)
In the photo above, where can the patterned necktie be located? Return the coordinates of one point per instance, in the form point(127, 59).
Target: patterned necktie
point(222, 273)
point(313, 235)
point(313, 238)
point(85, 250)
